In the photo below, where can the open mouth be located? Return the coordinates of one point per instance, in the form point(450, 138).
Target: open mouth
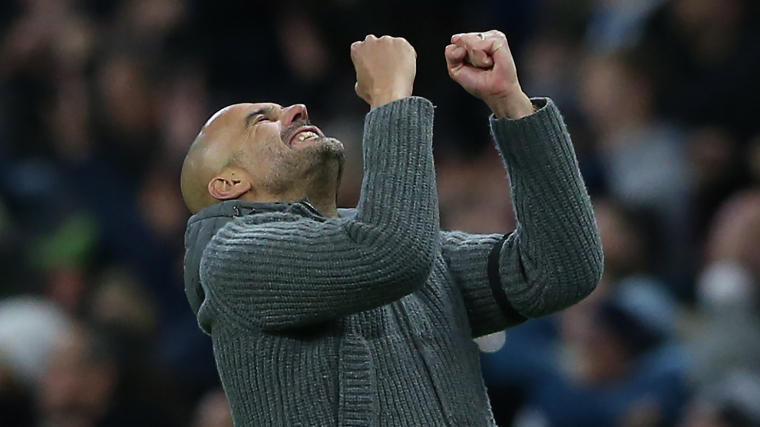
point(305, 134)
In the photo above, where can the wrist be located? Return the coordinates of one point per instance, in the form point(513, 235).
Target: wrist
point(383, 98)
point(514, 106)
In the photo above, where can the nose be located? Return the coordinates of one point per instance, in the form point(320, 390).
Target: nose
point(294, 113)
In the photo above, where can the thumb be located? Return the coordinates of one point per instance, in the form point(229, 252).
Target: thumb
point(500, 52)
point(454, 56)
point(465, 75)
point(360, 92)
point(479, 58)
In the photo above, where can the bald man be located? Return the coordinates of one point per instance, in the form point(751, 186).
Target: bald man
point(365, 317)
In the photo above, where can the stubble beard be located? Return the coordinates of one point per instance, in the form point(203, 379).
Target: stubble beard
point(315, 168)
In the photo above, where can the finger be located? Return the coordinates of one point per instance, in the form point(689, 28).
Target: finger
point(464, 73)
point(494, 44)
point(482, 53)
point(488, 43)
point(479, 58)
point(471, 40)
point(476, 49)
point(494, 34)
point(494, 41)
point(498, 50)
point(455, 54)
point(456, 37)
point(359, 92)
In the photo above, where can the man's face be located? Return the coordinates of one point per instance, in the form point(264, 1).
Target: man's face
point(280, 148)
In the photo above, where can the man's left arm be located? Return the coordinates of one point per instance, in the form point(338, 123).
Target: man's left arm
point(554, 257)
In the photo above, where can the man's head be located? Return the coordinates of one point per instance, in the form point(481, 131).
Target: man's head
point(260, 152)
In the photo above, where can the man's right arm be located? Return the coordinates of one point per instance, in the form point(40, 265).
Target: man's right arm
point(284, 274)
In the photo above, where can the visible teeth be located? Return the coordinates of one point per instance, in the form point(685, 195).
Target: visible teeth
point(306, 135)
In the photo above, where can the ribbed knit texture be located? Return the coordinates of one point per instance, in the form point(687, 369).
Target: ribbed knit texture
point(367, 319)
point(554, 258)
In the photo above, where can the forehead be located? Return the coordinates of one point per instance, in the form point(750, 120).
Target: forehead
point(239, 112)
point(249, 108)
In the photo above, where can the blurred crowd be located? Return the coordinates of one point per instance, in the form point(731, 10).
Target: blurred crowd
point(100, 99)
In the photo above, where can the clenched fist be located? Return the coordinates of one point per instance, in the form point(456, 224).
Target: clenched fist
point(385, 69)
point(483, 65)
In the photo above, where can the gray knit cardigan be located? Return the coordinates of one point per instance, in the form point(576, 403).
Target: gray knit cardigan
point(367, 319)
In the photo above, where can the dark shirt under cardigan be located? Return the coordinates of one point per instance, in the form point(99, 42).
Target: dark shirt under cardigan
point(367, 319)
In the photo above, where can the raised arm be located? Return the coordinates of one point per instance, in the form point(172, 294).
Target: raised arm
point(295, 271)
point(554, 257)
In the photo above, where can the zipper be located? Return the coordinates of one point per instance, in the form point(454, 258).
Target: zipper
point(311, 208)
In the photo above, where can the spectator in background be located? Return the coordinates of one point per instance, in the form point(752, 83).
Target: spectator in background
point(15, 401)
point(643, 157)
point(734, 402)
point(708, 49)
point(724, 335)
point(714, 155)
point(79, 383)
point(213, 410)
point(81, 386)
point(627, 370)
point(753, 154)
point(616, 25)
point(28, 328)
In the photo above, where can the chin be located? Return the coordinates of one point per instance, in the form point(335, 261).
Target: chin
point(323, 144)
point(318, 163)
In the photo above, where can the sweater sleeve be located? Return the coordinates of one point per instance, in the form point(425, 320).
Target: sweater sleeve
point(554, 257)
point(285, 274)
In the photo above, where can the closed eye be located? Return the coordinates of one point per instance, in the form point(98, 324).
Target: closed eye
point(258, 116)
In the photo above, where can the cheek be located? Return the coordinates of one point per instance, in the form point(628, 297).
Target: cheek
point(265, 153)
point(266, 142)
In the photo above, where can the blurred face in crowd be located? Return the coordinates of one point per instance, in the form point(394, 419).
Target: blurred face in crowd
point(260, 152)
point(213, 411)
point(613, 95)
point(696, 15)
point(703, 414)
point(623, 247)
point(78, 385)
point(604, 357)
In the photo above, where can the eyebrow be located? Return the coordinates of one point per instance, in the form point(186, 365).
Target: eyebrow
point(261, 111)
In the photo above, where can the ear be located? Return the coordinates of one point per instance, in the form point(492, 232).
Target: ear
point(230, 184)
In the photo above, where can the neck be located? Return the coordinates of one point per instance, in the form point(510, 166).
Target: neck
point(318, 183)
point(328, 208)
point(322, 193)
point(322, 190)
